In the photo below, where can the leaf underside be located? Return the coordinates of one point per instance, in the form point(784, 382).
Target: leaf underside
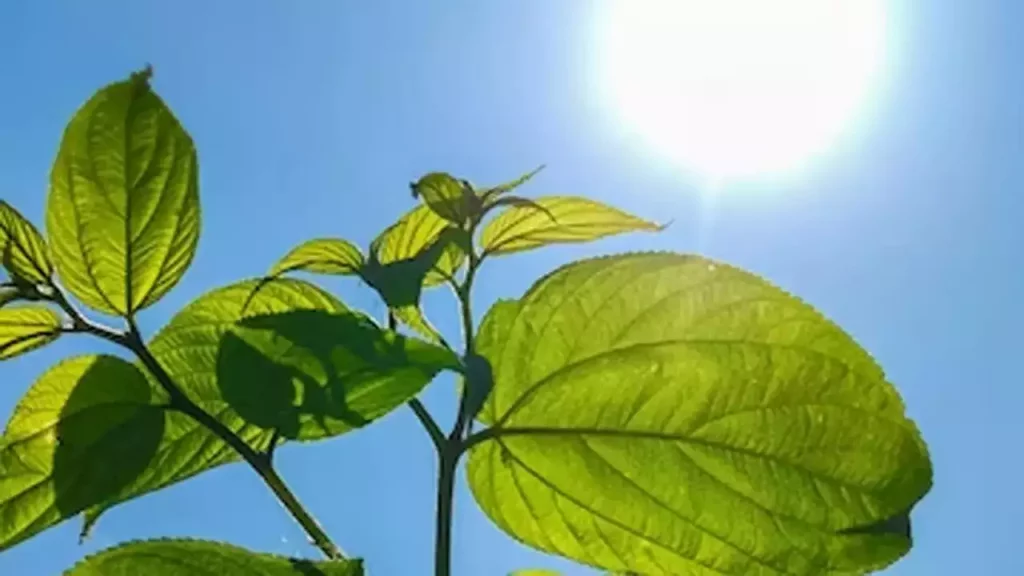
point(122, 215)
point(556, 220)
point(667, 414)
point(203, 558)
point(82, 433)
point(25, 328)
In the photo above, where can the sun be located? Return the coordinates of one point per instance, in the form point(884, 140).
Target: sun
point(739, 88)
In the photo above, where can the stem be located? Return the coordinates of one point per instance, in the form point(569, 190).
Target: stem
point(453, 446)
point(261, 463)
point(428, 422)
point(447, 463)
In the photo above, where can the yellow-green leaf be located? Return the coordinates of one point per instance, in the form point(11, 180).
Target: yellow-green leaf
point(321, 256)
point(87, 428)
point(556, 219)
point(446, 196)
point(667, 414)
point(490, 195)
point(123, 210)
point(23, 251)
point(413, 234)
point(198, 557)
point(25, 328)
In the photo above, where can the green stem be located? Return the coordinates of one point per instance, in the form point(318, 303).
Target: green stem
point(132, 340)
point(447, 462)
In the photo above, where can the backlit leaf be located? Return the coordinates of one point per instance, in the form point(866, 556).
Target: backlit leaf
point(490, 195)
point(201, 558)
point(23, 251)
point(400, 282)
point(123, 210)
point(25, 328)
point(289, 358)
point(81, 433)
point(413, 234)
point(667, 414)
point(553, 220)
point(321, 256)
point(445, 196)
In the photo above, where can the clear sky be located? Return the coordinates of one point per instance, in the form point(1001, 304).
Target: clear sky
point(312, 117)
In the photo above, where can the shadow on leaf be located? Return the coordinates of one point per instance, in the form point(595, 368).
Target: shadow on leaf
point(107, 435)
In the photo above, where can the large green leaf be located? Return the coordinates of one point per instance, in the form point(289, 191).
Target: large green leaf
point(25, 328)
point(123, 210)
point(203, 558)
point(83, 432)
point(321, 256)
point(280, 355)
point(667, 414)
point(23, 251)
point(553, 220)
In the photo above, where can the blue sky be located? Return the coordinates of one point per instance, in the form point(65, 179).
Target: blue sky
point(311, 118)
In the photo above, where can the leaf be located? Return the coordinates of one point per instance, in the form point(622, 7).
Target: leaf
point(311, 374)
point(25, 328)
point(667, 414)
point(321, 256)
point(9, 294)
point(289, 357)
point(82, 432)
point(553, 220)
point(400, 282)
point(414, 233)
point(22, 249)
point(479, 381)
point(123, 210)
point(490, 195)
point(446, 196)
point(202, 558)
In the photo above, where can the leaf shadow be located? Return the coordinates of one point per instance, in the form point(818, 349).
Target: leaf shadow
point(282, 371)
point(106, 437)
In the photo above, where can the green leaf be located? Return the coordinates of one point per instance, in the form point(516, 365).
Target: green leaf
point(87, 428)
point(288, 357)
point(321, 256)
point(414, 234)
point(556, 219)
point(447, 197)
point(490, 195)
point(22, 249)
point(25, 328)
point(311, 374)
point(123, 210)
point(197, 557)
point(661, 413)
point(400, 282)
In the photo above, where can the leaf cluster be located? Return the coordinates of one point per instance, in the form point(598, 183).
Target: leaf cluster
point(645, 413)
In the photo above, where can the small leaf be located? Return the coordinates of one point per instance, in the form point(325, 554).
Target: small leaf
point(556, 219)
point(123, 210)
point(643, 403)
point(8, 294)
point(400, 282)
point(490, 195)
point(25, 328)
point(22, 249)
point(414, 233)
point(479, 381)
point(192, 557)
point(321, 256)
point(88, 427)
point(446, 196)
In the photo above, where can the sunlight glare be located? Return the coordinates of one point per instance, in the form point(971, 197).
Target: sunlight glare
point(739, 88)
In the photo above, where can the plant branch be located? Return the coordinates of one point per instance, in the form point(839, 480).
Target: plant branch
point(433, 430)
point(132, 340)
point(447, 463)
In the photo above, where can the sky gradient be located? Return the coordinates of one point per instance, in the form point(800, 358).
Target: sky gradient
point(311, 119)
